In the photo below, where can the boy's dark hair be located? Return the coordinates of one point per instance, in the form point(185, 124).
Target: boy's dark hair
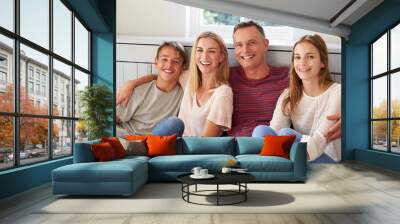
point(250, 23)
point(177, 46)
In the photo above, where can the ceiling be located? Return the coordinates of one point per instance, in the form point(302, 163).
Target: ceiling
point(327, 16)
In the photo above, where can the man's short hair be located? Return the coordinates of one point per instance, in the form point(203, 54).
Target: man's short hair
point(177, 46)
point(250, 23)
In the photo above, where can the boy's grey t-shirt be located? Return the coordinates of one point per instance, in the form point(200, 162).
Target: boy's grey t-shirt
point(148, 106)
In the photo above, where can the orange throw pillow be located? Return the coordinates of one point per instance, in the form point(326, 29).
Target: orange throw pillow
point(277, 145)
point(103, 151)
point(116, 145)
point(161, 145)
point(135, 137)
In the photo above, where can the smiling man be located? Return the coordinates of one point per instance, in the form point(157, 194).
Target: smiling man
point(256, 85)
point(152, 106)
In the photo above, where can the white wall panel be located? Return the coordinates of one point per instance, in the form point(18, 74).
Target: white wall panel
point(139, 57)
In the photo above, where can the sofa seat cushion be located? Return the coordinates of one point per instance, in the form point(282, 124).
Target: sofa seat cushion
point(113, 171)
point(257, 163)
point(185, 163)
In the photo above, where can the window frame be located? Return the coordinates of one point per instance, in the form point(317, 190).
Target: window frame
point(15, 72)
point(388, 74)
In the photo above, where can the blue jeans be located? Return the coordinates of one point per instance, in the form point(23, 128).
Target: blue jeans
point(262, 130)
point(169, 126)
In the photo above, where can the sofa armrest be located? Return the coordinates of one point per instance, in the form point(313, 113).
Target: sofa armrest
point(83, 153)
point(298, 155)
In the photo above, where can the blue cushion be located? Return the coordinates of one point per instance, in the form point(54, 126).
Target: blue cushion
point(259, 163)
point(206, 145)
point(248, 145)
point(185, 163)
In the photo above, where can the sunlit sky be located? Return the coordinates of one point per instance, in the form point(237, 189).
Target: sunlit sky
point(35, 27)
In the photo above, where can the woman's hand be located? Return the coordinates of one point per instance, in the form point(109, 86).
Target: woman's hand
point(335, 131)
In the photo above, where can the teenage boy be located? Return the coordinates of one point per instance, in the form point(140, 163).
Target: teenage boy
point(152, 106)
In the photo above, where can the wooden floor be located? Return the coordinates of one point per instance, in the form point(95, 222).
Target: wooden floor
point(378, 189)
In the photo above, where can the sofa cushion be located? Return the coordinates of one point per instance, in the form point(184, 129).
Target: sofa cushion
point(206, 145)
point(161, 145)
point(116, 145)
point(257, 163)
point(277, 145)
point(185, 163)
point(134, 147)
point(112, 171)
point(248, 145)
point(103, 151)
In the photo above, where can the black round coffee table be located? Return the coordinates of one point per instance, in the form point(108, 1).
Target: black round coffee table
point(238, 179)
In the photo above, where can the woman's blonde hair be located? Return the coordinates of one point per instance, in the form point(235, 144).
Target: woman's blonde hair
point(222, 76)
point(295, 84)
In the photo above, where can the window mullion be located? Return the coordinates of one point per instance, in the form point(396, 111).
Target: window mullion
point(16, 84)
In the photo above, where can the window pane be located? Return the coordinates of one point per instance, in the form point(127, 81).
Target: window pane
point(62, 29)
point(6, 74)
point(395, 138)
point(7, 14)
point(210, 17)
point(81, 131)
point(379, 135)
point(35, 21)
point(62, 89)
point(379, 98)
point(379, 55)
point(34, 81)
point(81, 45)
point(33, 139)
point(6, 142)
point(62, 141)
point(81, 81)
point(395, 47)
point(395, 94)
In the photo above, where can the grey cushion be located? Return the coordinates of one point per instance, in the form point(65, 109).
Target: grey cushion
point(134, 147)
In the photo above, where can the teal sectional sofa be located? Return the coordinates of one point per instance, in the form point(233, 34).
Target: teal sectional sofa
point(125, 176)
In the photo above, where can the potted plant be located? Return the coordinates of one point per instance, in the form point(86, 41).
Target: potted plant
point(96, 103)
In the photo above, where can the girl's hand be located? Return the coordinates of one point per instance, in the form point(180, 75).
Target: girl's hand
point(335, 131)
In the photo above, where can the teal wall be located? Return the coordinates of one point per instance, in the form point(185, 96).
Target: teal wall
point(100, 17)
point(356, 83)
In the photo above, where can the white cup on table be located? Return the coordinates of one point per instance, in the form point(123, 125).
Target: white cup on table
point(203, 172)
point(196, 170)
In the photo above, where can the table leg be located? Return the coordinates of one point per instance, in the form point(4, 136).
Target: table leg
point(245, 191)
point(217, 194)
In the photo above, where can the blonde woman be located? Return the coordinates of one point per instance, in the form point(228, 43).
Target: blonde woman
point(311, 97)
point(207, 103)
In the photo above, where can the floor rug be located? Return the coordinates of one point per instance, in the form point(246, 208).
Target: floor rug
point(167, 198)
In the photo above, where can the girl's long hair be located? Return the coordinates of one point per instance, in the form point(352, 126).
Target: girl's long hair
point(222, 76)
point(295, 84)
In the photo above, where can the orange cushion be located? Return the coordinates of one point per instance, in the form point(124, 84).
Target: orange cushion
point(277, 145)
point(103, 151)
point(116, 145)
point(161, 145)
point(135, 137)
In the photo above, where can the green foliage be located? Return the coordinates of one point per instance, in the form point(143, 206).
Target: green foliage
point(211, 17)
point(96, 102)
point(218, 18)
